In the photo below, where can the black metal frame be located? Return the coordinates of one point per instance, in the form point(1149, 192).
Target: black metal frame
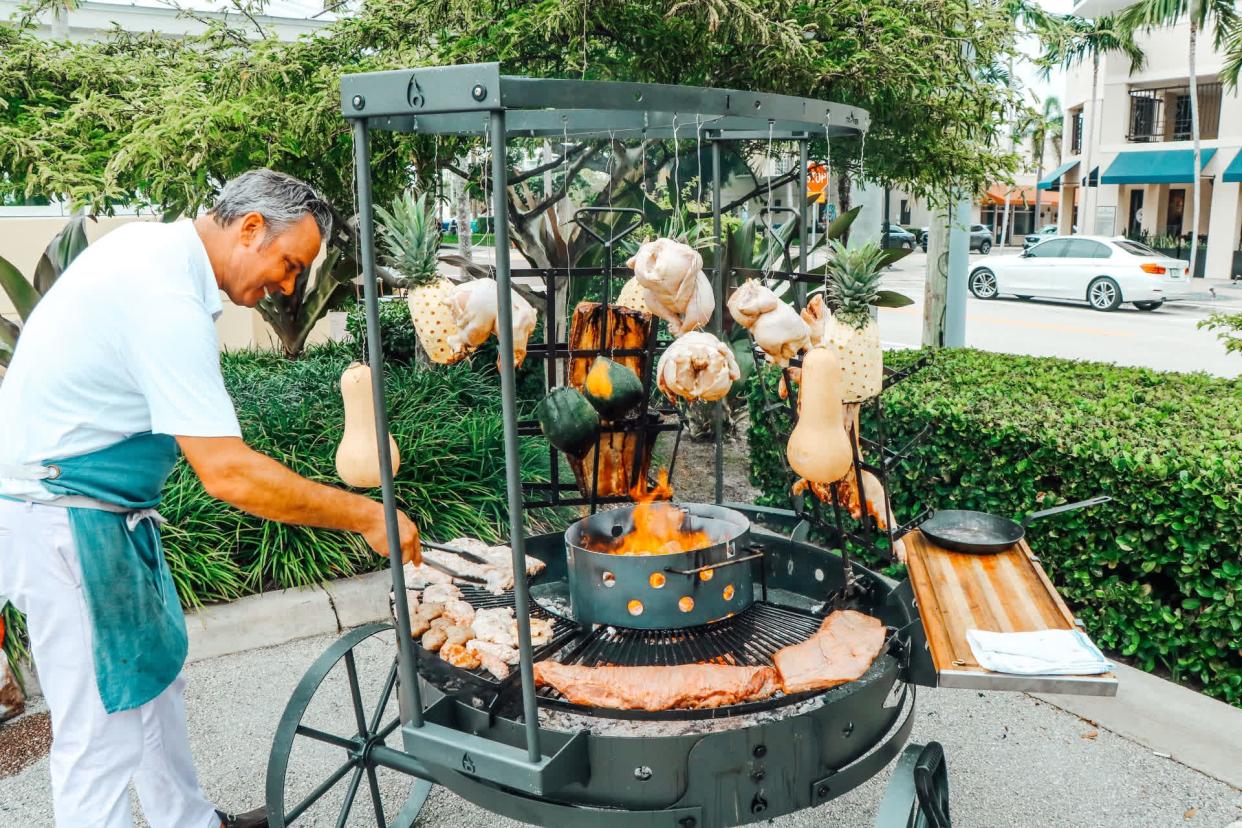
point(471, 751)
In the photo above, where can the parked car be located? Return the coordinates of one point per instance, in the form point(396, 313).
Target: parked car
point(1038, 236)
point(898, 236)
point(1103, 272)
point(980, 238)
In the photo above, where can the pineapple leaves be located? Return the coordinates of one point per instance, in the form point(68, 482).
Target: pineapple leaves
point(891, 299)
point(411, 235)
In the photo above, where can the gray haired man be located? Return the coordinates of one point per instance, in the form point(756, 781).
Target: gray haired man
point(116, 369)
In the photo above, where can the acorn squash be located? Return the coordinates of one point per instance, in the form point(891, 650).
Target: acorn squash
point(568, 420)
point(612, 388)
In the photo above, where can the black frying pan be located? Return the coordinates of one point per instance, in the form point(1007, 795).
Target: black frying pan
point(966, 531)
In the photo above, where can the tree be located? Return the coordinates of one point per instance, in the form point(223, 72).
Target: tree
point(1222, 15)
point(144, 120)
point(1044, 128)
point(1068, 41)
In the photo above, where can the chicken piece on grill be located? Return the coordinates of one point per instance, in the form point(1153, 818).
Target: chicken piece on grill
point(441, 593)
point(658, 688)
point(674, 286)
point(474, 307)
point(495, 658)
point(540, 631)
point(697, 366)
point(492, 625)
point(845, 645)
point(434, 639)
point(459, 612)
point(773, 324)
point(459, 656)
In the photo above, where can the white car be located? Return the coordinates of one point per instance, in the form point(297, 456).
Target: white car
point(1103, 272)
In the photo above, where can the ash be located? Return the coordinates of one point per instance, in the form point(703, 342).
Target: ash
point(602, 726)
point(555, 603)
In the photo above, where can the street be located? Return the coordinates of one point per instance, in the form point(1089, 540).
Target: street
point(1166, 339)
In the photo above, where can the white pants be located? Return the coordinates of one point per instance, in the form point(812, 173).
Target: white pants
point(95, 754)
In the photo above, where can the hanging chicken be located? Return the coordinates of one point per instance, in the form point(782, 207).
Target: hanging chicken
point(697, 366)
point(874, 500)
point(474, 309)
point(775, 325)
point(674, 285)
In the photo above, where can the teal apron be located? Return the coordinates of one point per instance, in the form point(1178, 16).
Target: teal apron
point(139, 629)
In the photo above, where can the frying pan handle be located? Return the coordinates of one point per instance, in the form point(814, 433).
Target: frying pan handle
point(1065, 507)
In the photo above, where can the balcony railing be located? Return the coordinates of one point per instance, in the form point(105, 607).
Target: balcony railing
point(1163, 114)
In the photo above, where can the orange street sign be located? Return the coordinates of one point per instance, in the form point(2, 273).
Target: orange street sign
point(816, 178)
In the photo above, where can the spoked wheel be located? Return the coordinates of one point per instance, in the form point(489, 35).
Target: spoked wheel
point(343, 707)
point(1104, 294)
point(983, 284)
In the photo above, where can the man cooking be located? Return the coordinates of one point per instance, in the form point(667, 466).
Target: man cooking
point(116, 369)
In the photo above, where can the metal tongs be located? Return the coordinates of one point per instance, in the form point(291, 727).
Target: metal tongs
point(461, 553)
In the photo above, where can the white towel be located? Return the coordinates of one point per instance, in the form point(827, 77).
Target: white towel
point(1041, 653)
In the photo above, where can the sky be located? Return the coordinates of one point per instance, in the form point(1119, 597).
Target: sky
point(1035, 85)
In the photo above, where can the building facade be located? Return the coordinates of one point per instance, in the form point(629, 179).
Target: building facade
point(1142, 152)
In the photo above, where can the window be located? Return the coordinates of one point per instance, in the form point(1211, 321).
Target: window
point(1076, 131)
point(1087, 249)
point(1053, 248)
point(1163, 113)
point(1136, 248)
point(1181, 119)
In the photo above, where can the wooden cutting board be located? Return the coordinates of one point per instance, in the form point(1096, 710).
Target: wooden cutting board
point(999, 592)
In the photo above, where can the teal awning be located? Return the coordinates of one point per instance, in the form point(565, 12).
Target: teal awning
point(1053, 181)
point(1156, 167)
point(1234, 171)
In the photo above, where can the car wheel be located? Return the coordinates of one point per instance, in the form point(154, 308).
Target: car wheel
point(1148, 306)
point(1103, 294)
point(908, 245)
point(983, 284)
point(985, 247)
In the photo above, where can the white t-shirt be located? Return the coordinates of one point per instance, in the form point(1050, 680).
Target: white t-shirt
point(124, 342)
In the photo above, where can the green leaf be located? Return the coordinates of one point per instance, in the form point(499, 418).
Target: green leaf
point(60, 253)
point(893, 255)
point(839, 225)
point(20, 292)
point(891, 299)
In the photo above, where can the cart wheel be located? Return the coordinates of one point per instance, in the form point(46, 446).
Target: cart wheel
point(344, 706)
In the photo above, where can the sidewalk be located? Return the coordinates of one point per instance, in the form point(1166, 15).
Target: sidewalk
point(1014, 760)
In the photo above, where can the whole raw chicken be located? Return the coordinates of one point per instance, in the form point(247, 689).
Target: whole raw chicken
point(474, 308)
point(819, 319)
point(775, 325)
point(674, 285)
point(697, 366)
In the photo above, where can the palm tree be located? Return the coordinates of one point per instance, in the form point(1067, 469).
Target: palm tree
point(1045, 127)
point(1068, 41)
point(1223, 16)
point(1232, 70)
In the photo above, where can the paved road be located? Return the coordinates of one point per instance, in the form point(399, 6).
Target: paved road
point(1014, 761)
point(1166, 339)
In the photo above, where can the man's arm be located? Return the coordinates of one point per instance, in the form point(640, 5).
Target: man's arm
point(233, 472)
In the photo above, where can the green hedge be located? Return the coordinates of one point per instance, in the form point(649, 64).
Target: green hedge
point(1156, 575)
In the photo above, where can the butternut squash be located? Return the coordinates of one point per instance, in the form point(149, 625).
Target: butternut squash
point(357, 457)
point(819, 448)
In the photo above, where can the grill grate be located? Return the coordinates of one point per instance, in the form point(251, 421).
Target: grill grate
point(750, 638)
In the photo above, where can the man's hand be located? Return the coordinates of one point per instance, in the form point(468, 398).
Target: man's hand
point(233, 472)
point(377, 537)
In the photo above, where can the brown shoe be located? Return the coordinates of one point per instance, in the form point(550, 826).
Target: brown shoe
point(251, 819)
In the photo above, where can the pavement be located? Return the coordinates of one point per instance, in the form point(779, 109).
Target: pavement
point(1165, 339)
point(1014, 760)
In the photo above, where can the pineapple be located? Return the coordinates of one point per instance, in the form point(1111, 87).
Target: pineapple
point(411, 234)
point(632, 296)
point(853, 285)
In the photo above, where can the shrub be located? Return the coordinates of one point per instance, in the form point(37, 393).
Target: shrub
point(396, 331)
point(1155, 575)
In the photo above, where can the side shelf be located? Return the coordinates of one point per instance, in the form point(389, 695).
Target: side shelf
point(1001, 592)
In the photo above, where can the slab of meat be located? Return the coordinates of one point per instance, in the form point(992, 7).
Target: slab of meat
point(658, 688)
point(840, 651)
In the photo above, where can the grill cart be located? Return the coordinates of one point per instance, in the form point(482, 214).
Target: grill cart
point(764, 582)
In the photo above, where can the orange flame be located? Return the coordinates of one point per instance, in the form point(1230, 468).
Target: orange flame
point(657, 524)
